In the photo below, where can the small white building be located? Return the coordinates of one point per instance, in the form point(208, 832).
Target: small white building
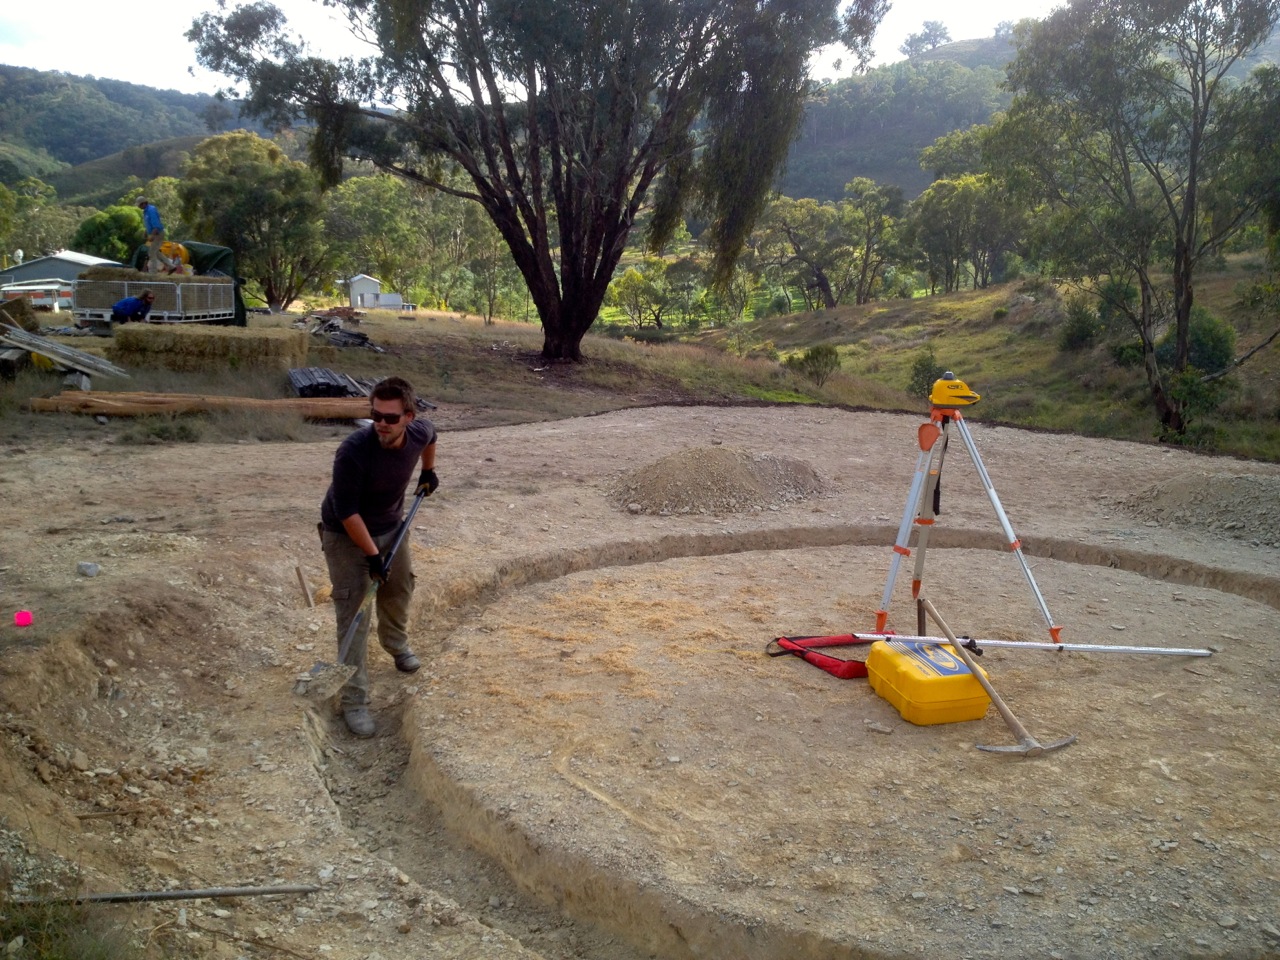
point(365, 293)
point(361, 286)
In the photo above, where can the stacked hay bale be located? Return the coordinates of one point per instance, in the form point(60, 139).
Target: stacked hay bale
point(187, 348)
point(19, 313)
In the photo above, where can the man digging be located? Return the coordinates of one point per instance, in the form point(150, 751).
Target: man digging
point(359, 520)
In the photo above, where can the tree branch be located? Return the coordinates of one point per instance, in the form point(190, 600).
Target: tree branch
point(1218, 375)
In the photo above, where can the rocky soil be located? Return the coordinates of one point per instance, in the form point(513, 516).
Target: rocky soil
point(597, 760)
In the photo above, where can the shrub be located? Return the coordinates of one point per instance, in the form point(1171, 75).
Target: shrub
point(1211, 343)
point(1127, 354)
point(999, 313)
point(1115, 297)
point(924, 371)
point(1081, 328)
point(817, 363)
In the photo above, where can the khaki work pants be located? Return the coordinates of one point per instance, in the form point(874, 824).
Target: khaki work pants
point(349, 574)
point(155, 262)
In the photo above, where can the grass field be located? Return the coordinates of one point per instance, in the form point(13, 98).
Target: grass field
point(1003, 341)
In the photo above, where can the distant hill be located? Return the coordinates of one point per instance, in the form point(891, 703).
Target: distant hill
point(57, 118)
point(101, 182)
point(876, 124)
point(19, 162)
point(987, 52)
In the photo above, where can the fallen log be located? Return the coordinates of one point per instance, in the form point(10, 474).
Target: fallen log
point(134, 404)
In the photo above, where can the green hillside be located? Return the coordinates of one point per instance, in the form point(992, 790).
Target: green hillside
point(75, 119)
point(875, 124)
point(1004, 341)
point(103, 181)
point(18, 162)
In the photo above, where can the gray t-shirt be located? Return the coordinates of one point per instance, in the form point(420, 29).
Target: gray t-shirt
point(370, 480)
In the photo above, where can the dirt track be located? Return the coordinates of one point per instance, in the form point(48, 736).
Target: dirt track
point(597, 716)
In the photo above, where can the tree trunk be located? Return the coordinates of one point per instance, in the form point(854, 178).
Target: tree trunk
point(1168, 409)
point(824, 287)
point(1183, 297)
point(565, 321)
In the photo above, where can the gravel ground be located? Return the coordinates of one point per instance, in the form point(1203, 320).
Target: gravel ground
point(521, 798)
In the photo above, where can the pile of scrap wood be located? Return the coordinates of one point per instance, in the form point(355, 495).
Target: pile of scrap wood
point(121, 404)
point(331, 329)
point(341, 313)
point(60, 356)
point(322, 382)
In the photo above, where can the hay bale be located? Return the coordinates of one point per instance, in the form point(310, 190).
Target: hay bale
point(137, 276)
point(187, 348)
point(19, 312)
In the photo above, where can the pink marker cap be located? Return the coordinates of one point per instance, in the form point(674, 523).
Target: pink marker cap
point(22, 618)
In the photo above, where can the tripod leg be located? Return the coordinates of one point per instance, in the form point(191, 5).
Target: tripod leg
point(1015, 545)
point(927, 435)
point(928, 512)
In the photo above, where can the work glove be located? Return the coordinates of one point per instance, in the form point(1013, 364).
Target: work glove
point(427, 483)
point(378, 568)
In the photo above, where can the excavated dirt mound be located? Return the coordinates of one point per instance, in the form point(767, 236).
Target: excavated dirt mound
point(1243, 506)
point(716, 480)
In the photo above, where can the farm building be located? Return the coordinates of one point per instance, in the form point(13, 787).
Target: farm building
point(63, 265)
point(366, 293)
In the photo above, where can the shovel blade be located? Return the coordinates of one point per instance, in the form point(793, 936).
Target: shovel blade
point(324, 680)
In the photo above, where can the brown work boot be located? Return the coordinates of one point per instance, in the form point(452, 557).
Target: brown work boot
point(358, 721)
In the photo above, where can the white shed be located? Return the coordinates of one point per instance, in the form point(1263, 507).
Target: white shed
point(364, 290)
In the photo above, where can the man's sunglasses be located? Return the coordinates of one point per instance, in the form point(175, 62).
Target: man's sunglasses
point(391, 419)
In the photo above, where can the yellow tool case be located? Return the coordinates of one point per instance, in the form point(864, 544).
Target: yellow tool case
point(926, 682)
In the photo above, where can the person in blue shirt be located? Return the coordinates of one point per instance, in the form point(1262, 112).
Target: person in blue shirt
point(155, 234)
point(132, 308)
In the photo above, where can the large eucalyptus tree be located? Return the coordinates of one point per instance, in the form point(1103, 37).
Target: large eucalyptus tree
point(567, 116)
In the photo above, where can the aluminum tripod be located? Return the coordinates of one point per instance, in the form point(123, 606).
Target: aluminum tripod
point(923, 505)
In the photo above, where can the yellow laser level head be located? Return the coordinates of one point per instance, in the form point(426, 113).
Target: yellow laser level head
point(952, 392)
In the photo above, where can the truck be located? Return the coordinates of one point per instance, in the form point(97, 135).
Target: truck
point(212, 295)
point(185, 301)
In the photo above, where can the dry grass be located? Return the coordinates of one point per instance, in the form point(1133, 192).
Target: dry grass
point(1001, 340)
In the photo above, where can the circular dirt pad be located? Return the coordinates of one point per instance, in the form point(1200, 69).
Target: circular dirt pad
point(673, 782)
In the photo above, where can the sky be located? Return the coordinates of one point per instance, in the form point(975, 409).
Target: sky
point(89, 38)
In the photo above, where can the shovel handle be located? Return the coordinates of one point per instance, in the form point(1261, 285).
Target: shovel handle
point(372, 592)
point(1010, 720)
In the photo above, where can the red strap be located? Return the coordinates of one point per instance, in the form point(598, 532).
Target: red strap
point(844, 669)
